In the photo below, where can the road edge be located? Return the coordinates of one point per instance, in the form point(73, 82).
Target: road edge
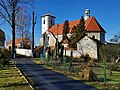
point(21, 73)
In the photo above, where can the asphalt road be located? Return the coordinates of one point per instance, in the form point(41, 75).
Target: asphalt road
point(45, 79)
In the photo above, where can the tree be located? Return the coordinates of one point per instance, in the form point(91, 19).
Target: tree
point(109, 52)
point(116, 38)
point(77, 33)
point(72, 39)
point(23, 23)
point(65, 29)
point(8, 11)
point(23, 26)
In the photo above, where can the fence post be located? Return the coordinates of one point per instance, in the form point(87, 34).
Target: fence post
point(104, 72)
point(65, 61)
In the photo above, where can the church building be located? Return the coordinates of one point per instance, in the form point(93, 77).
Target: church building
point(51, 33)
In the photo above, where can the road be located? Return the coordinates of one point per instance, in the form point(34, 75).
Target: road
point(45, 79)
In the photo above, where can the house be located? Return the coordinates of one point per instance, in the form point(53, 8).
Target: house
point(90, 46)
point(19, 43)
point(2, 39)
point(93, 30)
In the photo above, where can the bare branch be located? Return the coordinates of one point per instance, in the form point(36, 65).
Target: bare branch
point(2, 15)
point(2, 4)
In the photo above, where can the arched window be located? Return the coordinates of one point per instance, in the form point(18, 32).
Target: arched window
point(51, 22)
point(43, 21)
point(93, 37)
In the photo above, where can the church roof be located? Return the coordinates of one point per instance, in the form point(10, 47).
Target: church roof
point(48, 14)
point(91, 25)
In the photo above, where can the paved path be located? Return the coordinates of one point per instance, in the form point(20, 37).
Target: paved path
point(45, 79)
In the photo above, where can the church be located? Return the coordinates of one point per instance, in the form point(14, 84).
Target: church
point(89, 44)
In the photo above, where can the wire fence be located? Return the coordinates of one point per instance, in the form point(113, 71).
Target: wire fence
point(66, 65)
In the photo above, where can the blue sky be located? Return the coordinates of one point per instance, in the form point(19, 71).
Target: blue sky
point(107, 13)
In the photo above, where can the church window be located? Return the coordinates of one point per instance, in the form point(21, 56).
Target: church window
point(93, 37)
point(43, 21)
point(51, 22)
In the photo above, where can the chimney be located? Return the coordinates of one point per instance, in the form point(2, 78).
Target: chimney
point(86, 14)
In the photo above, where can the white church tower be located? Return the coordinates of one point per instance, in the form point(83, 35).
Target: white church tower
point(48, 20)
point(86, 14)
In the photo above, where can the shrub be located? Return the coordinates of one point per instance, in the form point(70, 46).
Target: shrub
point(4, 57)
point(114, 66)
point(86, 57)
point(88, 74)
point(91, 63)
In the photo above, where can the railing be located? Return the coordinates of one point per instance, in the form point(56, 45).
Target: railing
point(65, 64)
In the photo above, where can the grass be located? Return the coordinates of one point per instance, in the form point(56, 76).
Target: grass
point(113, 81)
point(11, 79)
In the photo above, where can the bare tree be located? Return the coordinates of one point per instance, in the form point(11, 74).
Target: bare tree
point(116, 38)
point(23, 25)
point(8, 11)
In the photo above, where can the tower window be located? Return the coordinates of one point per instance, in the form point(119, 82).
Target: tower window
point(51, 22)
point(43, 21)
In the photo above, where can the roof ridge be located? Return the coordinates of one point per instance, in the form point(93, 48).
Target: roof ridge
point(100, 27)
point(89, 21)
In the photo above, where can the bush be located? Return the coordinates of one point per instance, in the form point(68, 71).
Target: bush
point(88, 74)
point(114, 66)
point(4, 57)
point(85, 57)
point(91, 63)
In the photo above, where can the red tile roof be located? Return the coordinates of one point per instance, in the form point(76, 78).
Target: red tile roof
point(91, 25)
point(38, 48)
point(68, 48)
point(17, 41)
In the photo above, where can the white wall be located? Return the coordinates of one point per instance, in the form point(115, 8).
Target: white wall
point(59, 37)
point(48, 23)
point(26, 52)
point(76, 54)
point(87, 46)
point(97, 35)
point(52, 40)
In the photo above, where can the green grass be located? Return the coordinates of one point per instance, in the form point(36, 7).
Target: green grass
point(113, 82)
point(11, 79)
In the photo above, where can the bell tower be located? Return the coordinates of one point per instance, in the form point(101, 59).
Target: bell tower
point(86, 14)
point(48, 20)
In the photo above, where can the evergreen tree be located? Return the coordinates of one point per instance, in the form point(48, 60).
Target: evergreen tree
point(65, 29)
point(72, 39)
point(77, 33)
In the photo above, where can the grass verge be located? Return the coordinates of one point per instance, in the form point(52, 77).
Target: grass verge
point(11, 79)
point(113, 81)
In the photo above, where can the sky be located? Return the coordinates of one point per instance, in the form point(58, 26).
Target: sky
point(107, 13)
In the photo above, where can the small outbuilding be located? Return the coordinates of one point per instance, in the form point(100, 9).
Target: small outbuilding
point(2, 39)
point(90, 46)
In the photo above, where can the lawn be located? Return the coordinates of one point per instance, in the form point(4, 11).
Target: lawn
point(113, 81)
point(11, 79)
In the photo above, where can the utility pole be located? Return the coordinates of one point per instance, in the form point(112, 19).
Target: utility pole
point(13, 32)
point(33, 26)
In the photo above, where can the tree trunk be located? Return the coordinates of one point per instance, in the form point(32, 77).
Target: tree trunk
point(13, 34)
